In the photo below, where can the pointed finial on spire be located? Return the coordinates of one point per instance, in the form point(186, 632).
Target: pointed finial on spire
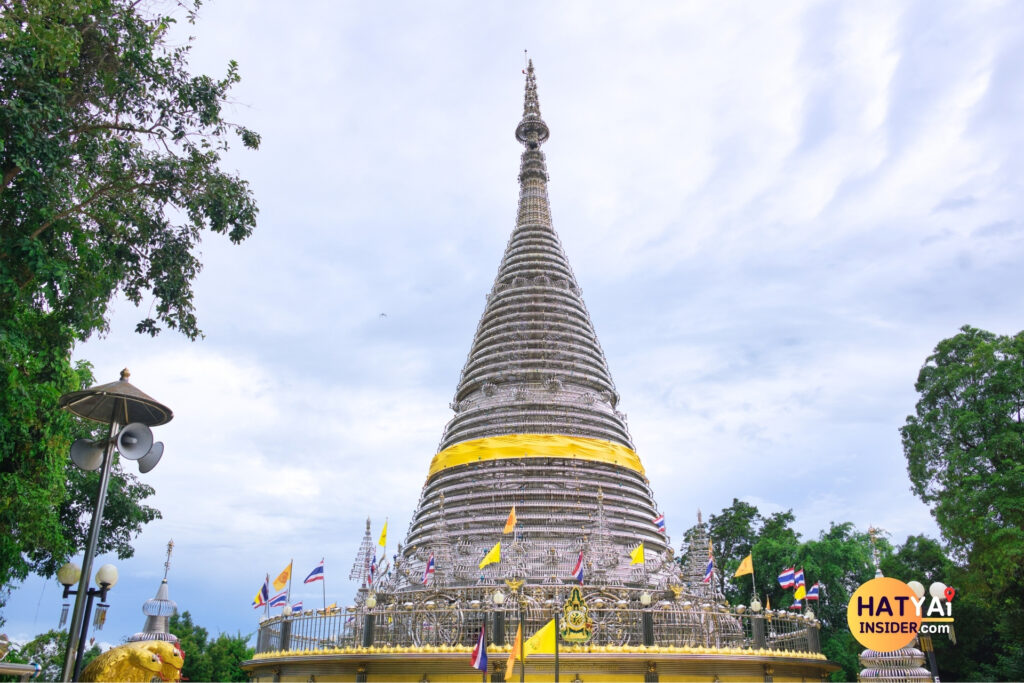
point(167, 562)
point(872, 533)
point(531, 131)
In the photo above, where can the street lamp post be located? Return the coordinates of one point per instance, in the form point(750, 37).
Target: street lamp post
point(757, 624)
point(117, 404)
point(646, 618)
point(498, 598)
point(106, 577)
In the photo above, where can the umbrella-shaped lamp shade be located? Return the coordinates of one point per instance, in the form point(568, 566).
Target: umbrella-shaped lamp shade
point(119, 401)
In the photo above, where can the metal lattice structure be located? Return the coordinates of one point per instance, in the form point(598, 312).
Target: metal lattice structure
point(695, 562)
point(360, 572)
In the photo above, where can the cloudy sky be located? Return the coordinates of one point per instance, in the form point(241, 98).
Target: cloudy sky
point(775, 211)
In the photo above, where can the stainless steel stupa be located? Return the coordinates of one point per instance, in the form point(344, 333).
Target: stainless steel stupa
point(536, 425)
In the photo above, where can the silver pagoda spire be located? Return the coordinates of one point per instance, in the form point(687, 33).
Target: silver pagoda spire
point(159, 610)
point(536, 423)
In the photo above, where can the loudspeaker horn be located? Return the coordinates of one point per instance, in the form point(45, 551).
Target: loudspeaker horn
point(86, 455)
point(149, 460)
point(134, 441)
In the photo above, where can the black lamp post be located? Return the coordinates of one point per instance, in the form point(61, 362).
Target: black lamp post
point(106, 577)
point(118, 404)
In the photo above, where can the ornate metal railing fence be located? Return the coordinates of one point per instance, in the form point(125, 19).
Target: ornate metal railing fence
point(440, 623)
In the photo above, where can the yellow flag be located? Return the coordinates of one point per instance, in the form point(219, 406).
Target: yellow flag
point(510, 523)
point(383, 535)
point(746, 566)
point(493, 555)
point(800, 593)
point(331, 607)
point(282, 579)
point(542, 642)
point(767, 603)
point(515, 653)
point(637, 556)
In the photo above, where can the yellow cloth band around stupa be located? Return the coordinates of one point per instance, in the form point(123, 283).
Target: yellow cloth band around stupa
point(512, 446)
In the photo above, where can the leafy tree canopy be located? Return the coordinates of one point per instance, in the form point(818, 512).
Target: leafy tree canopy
point(109, 165)
point(109, 175)
point(965, 449)
point(965, 455)
point(218, 659)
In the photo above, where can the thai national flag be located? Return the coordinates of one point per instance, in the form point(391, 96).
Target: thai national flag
point(797, 605)
point(297, 607)
point(709, 570)
point(264, 594)
point(279, 600)
point(798, 578)
point(317, 574)
point(479, 659)
point(577, 572)
point(812, 594)
point(659, 522)
point(786, 578)
point(428, 573)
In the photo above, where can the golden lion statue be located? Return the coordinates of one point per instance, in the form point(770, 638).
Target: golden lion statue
point(140, 662)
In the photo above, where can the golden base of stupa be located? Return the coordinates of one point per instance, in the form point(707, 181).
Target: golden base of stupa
point(600, 663)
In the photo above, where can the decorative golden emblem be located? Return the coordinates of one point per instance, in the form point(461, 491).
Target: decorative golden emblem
point(577, 624)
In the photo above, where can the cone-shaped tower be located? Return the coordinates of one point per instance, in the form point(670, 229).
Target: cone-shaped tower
point(159, 610)
point(535, 422)
point(536, 427)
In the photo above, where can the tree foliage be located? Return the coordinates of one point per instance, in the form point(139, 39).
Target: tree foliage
point(109, 175)
point(965, 455)
point(47, 650)
point(731, 535)
point(965, 449)
point(840, 559)
point(109, 164)
point(218, 659)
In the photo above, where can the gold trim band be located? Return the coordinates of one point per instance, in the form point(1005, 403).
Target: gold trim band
point(535, 446)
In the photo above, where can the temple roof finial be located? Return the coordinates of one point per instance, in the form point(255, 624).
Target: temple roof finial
point(531, 131)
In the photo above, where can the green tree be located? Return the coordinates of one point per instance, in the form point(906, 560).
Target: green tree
point(210, 660)
point(919, 559)
point(965, 450)
point(47, 650)
point(965, 454)
point(732, 536)
point(774, 549)
point(109, 176)
point(839, 560)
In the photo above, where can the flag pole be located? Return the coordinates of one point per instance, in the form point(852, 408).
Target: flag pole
point(522, 642)
point(323, 586)
point(556, 644)
point(291, 570)
point(753, 581)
